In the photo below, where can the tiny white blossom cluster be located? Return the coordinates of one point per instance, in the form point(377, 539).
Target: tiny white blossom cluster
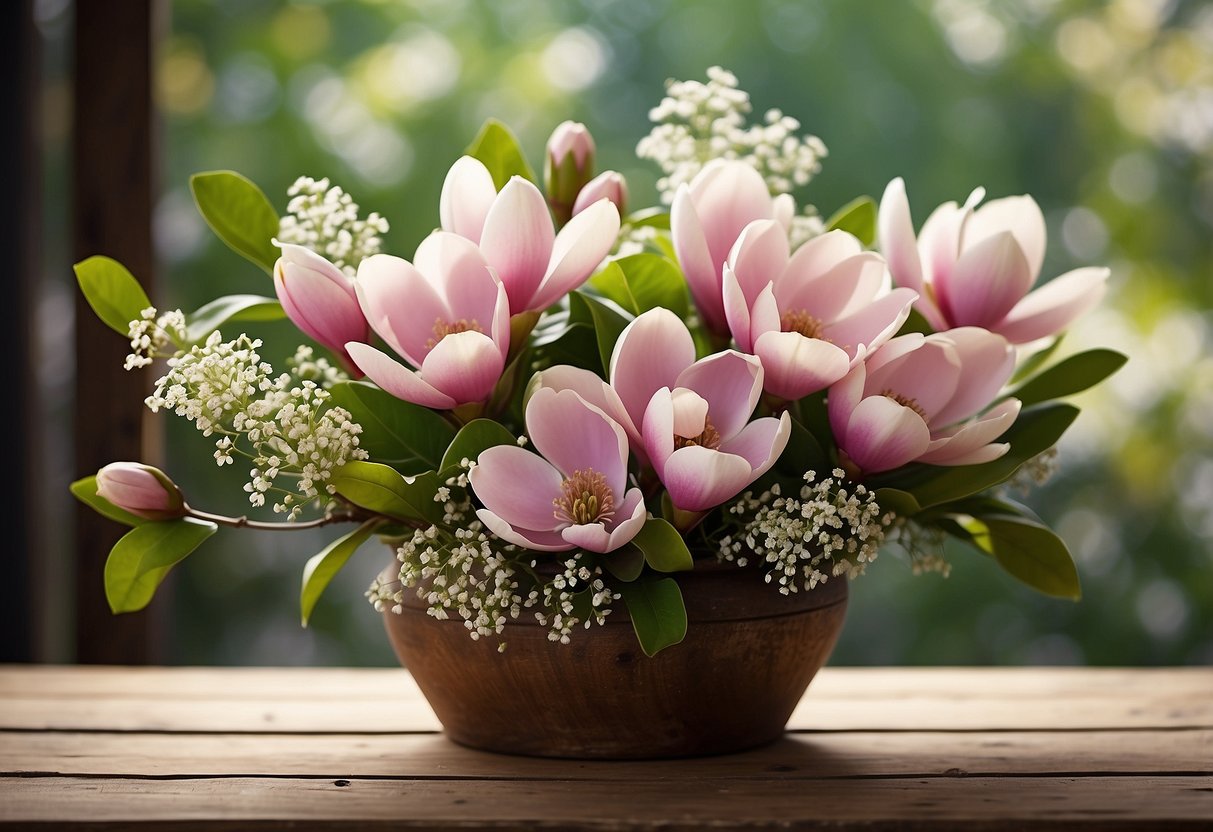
point(923, 546)
point(152, 333)
point(577, 595)
point(324, 218)
point(306, 366)
point(823, 532)
point(697, 122)
point(224, 388)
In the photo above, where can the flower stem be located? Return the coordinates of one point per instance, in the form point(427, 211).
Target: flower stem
point(243, 522)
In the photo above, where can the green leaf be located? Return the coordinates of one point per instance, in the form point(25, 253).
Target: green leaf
point(382, 489)
point(141, 559)
point(320, 569)
point(1036, 430)
point(1029, 551)
point(802, 454)
point(404, 435)
point(1069, 376)
point(857, 217)
point(641, 282)
point(220, 311)
point(658, 218)
point(916, 322)
point(1036, 360)
point(658, 615)
point(85, 490)
point(498, 149)
point(112, 292)
point(473, 438)
point(608, 323)
point(625, 563)
point(663, 547)
point(901, 503)
point(239, 214)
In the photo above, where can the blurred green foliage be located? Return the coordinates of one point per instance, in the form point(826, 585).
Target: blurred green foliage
point(1101, 110)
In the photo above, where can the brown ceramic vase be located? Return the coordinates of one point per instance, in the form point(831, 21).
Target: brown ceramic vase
point(747, 659)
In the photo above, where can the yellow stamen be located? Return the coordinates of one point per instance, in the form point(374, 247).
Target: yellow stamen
point(585, 498)
point(444, 328)
point(905, 401)
point(798, 320)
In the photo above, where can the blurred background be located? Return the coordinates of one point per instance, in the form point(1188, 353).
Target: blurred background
point(1101, 110)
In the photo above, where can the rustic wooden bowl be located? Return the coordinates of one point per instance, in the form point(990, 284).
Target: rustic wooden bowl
point(748, 656)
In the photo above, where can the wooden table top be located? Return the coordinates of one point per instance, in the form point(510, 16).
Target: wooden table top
point(310, 749)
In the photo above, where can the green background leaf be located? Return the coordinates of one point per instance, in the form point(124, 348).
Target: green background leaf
point(473, 438)
point(320, 569)
point(1029, 551)
point(409, 437)
point(658, 615)
point(141, 559)
point(1071, 375)
point(239, 214)
point(857, 217)
point(663, 547)
point(498, 149)
point(641, 282)
point(382, 489)
point(230, 308)
point(112, 291)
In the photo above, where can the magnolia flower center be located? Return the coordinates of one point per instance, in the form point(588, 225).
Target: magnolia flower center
point(585, 498)
point(444, 328)
point(905, 401)
point(710, 438)
point(797, 320)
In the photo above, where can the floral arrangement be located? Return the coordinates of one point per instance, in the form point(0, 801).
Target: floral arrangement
point(555, 405)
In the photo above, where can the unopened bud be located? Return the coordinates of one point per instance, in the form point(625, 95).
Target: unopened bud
point(140, 489)
point(568, 167)
point(606, 185)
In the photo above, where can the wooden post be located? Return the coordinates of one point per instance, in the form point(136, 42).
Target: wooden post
point(112, 187)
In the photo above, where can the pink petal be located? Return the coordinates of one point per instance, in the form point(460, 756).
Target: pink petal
point(517, 241)
point(929, 374)
point(1054, 306)
point(759, 257)
point(1019, 215)
point(576, 436)
point(972, 436)
point(591, 388)
point(820, 254)
point(836, 291)
point(467, 195)
point(455, 265)
point(629, 517)
point(736, 309)
point(607, 185)
point(397, 379)
point(988, 279)
point(699, 478)
point(650, 353)
point(690, 412)
point(465, 366)
point(844, 396)
point(658, 429)
point(579, 248)
point(323, 307)
point(400, 304)
point(539, 541)
point(783, 209)
point(517, 486)
point(893, 350)
point(897, 241)
point(882, 435)
point(761, 442)
point(764, 315)
point(691, 247)
point(986, 453)
point(795, 366)
point(873, 325)
point(939, 246)
point(728, 195)
point(986, 363)
point(732, 384)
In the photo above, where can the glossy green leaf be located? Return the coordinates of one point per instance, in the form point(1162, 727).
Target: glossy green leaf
point(1036, 360)
point(901, 503)
point(141, 559)
point(231, 308)
point(1071, 375)
point(112, 291)
point(658, 218)
point(857, 217)
point(607, 322)
point(321, 568)
point(663, 547)
point(383, 490)
point(85, 490)
point(625, 563)
point(1027, 550)
point(641, 282)
point(405, 435)
point(657, 612)
point(239, 214)
point(498, 149)
point(474, 438)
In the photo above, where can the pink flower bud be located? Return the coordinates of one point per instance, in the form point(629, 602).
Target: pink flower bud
point(568, 167)
point(140, 489)
point(319, 299)
point(606, 185)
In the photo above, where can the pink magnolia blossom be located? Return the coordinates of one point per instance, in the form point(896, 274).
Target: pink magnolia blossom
point(141, 490)
point(606, 185)
point(977, 266)
point(707, 217)
point(518, 239)
point(916, 397)
point(689, 419)
point(573, 496)
point(446, 314)
point(319, 299)
point(810, 317)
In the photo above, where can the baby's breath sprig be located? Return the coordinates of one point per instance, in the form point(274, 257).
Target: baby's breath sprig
point(324, 218)
point(827, 530)
point(152, 334)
